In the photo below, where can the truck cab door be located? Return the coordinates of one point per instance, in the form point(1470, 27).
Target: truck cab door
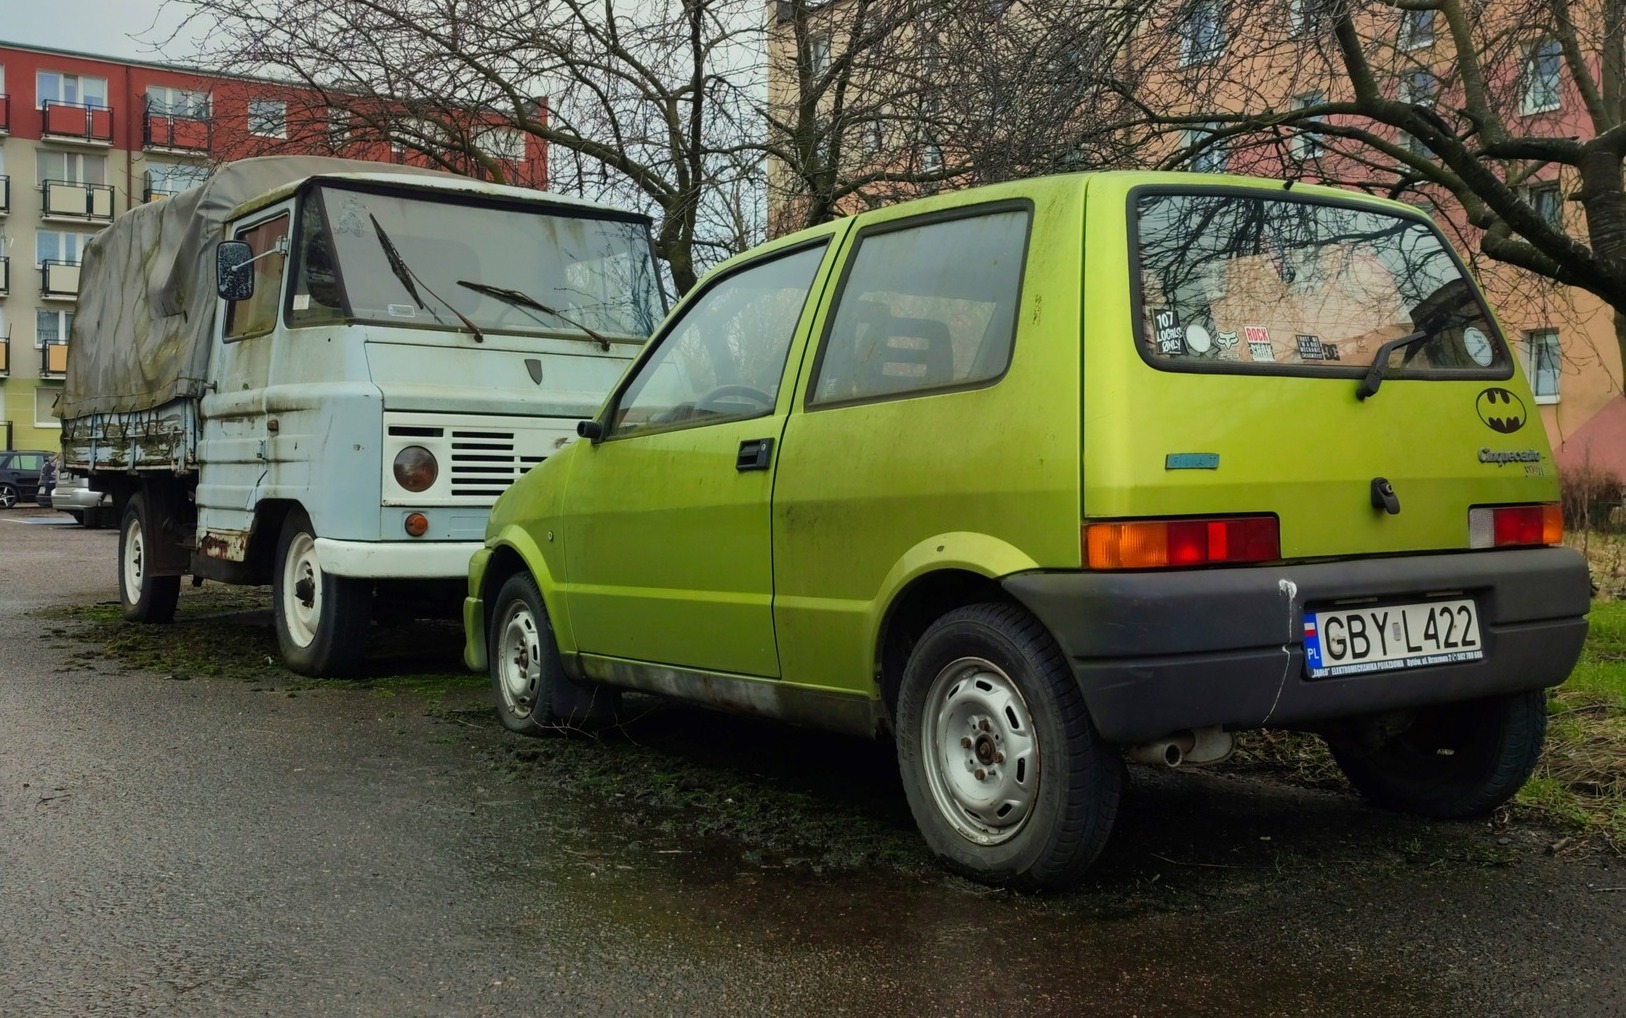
point(234, 442)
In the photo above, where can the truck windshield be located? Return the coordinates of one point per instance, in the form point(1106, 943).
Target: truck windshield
point(598, 272)
point(1236, 281)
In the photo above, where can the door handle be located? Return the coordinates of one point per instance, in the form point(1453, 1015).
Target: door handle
point(754, 454)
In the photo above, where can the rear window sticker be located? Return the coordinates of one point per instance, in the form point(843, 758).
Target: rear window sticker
point(1226, 341)
point(1171, 339)
point(1478, 346)
point(1259, 346)
point(401, 311)
point(1309, 348)
point(1198, 341)
point(1329, 351)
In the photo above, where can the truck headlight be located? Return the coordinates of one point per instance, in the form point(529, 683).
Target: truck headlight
point(415, 468)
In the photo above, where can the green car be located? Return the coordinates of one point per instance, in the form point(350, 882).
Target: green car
point(1040, 476)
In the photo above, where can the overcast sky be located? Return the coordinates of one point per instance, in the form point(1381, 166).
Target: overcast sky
point(115, 28)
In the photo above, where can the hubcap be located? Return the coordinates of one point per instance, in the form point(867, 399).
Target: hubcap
point(519, 660)
point(135, 555)
point(302, 590)
point(982, 754)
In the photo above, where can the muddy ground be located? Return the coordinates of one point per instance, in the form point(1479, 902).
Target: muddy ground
point(187, 829)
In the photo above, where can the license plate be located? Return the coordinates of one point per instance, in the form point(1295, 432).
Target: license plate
point(1348, 641)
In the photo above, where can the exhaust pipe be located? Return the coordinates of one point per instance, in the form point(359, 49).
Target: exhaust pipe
point(1194, 746)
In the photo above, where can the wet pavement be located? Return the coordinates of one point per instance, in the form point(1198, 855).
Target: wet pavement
point(186, 845)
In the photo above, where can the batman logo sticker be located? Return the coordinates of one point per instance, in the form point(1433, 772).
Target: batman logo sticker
point(1501, 410)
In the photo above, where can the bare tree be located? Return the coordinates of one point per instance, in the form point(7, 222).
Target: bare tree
point(1511, 112)
point(651, 105)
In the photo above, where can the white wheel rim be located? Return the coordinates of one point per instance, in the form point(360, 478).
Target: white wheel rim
point(519, 660)
point(135, 557)
point(302, 578)
point(981, 751)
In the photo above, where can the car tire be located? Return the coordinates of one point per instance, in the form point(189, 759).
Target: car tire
point(8, 496)
point(1454, 760)
point(145, 597)
point(321, 619)
point(78, 515)
point(1007, 779)
point(534, 696)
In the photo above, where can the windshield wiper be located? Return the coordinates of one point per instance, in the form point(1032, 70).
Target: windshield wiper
point(519, 298)
point(1380, 364)
point(404, 273)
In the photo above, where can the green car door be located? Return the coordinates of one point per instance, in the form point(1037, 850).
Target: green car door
point(667, 526)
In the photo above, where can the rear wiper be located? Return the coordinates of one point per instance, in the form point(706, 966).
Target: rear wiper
point(1380, 364)
point(404, 273)
point(519, 298)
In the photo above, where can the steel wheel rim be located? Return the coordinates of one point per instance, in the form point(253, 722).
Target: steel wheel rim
point(980, 750)
point(519, 660)
point(135, 555)
point(301, 618)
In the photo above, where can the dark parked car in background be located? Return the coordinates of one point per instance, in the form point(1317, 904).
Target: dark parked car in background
point(20, 475)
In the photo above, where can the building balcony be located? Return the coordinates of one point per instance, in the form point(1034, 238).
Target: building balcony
point(80, 203)
point(59, 280)
point(54, 360)
point(5, 276)
point(5, 114)
point(164, 132)
point(5, 195)
point(5, 354)
point(77, 123)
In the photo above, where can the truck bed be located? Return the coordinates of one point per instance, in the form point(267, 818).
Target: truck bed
point(160, 440)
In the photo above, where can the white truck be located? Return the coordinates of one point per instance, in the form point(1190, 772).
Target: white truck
point(320, 374)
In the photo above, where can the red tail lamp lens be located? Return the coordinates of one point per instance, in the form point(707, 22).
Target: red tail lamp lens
point(1515, 526)
point(1158, 544)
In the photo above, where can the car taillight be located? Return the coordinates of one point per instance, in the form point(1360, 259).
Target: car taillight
point(1515, 526)
point(1157, 544)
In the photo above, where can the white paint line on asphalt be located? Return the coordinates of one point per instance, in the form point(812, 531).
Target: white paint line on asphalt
point(48, 521)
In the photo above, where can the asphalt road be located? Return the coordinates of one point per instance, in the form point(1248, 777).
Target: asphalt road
point(208, 847)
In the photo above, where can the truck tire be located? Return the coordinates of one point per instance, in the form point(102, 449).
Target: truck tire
point(1450, 761)
point(321, 619)
point(534, 695)
point(1006, 777)
point(145, 597)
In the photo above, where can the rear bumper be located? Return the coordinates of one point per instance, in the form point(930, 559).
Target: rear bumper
point(1156, 653)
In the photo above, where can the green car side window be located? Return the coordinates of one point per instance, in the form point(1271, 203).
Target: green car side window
point(925, 308)
point(725, 358)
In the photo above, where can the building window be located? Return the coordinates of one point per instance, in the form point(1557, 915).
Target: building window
point(819, 54)
point(51, 327)
point(268, 118)
point(338, 127)
point(58, 246)
point(73, 167)
point(931, 157)
point(1202, 36)
point(1306, 144)
point(1416, 29)
point(163, 101)
point(503, 143)
point(1420, 88)
point(1548, 203)
point(166, 179)
point(51, 86)
point(1542, 70)
point(45, 398)
point(1541, 363)
point(1211, 157)
point(1302, 16)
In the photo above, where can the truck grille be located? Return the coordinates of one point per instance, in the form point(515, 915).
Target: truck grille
point(486, 462)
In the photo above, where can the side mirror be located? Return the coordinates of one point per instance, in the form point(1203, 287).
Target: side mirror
point(234, 280)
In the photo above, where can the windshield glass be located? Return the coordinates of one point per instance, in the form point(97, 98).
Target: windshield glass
point(598, 272)
point(1297, 287)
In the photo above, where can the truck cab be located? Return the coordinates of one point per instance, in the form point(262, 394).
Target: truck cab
point(386, 353)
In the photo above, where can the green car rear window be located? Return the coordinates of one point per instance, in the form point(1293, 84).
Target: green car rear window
point(1256, 283)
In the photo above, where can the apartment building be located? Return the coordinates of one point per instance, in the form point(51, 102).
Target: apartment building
point(1274, 56)
point(83, 138)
